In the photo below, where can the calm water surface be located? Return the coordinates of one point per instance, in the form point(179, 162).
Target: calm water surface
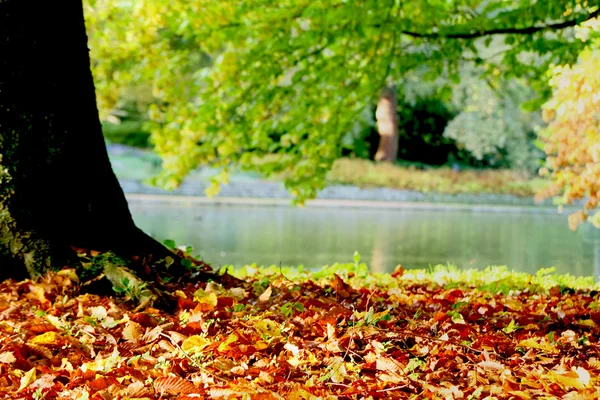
point(236, 234)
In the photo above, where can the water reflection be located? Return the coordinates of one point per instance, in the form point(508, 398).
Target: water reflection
point(317, 236)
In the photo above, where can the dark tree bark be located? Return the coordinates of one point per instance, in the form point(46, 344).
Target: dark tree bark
point(57, 187)
point(387, 125)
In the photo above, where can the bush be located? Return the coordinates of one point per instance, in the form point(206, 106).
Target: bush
point(494, 130)
point(437, 180)
point(129, 133)
point(421, 140)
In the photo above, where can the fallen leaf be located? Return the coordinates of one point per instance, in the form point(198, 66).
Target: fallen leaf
point(7, 357)
point(266, 295)
point(175, 385)
point(27, 379)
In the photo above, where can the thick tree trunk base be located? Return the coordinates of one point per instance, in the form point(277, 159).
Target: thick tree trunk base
point(57, 187)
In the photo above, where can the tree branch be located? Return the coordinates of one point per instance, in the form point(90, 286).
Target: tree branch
point(503, 31)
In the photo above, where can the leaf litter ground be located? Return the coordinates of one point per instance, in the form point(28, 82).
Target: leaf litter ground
point(344, 335)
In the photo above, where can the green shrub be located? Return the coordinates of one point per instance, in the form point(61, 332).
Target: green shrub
point(437, 180)
point(128, 132)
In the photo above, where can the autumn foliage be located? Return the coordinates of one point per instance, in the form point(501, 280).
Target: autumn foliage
point(268, 337)
point(572, 141)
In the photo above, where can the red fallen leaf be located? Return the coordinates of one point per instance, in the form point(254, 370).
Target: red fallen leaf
point(314, 303)
point(193, 328)
point(327, 320)
point(398, 272)
point(147, 321)
point(595, 316)
point(78, 377)
point(454, 295)
point(463, 330)
point(440, 316)
point(225, 302)
point(42, 328)
point(554, 291)
point(174, 384)
point(340, 287)
point(186, 304)
point(102, 383)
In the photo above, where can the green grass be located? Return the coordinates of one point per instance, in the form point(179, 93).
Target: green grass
point(494, 279)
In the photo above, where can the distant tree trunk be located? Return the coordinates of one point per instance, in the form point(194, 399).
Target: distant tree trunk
point(57, 187)
point(387, 125)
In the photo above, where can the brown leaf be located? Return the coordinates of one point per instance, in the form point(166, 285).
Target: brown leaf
point(132, 331)
point(174, 384)
point(39, 350)
point(42, 328)
point(152, 335)
point(341, 288)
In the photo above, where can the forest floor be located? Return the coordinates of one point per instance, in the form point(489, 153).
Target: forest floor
point(340, 333)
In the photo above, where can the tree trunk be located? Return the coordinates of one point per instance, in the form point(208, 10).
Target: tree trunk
point(57, 187)
point(387, 125)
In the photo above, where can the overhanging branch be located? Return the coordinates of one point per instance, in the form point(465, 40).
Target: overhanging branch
point(503, 31)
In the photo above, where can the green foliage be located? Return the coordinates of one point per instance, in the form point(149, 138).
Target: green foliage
point(493, 279)
point(493, 127)
point(275, 86)
point(420, 133)
point(169, 244)
point(131, 289)
point(94, 266)
point(129, 133)
point(438, 180)
point(289, 309)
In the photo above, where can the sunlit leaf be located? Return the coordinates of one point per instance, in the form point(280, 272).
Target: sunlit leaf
point(46, 338)
point(27, 379)
point(194, 343)
point(7, 357)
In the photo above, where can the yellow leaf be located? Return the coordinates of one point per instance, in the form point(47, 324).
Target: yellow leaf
point(27, 379)
point(46, 338)
point(38, 293)
point(267, 327)
point(194, 343)
point(542, 344)
point(587, 322)
point(205, 298)
point(225, 345)
point(260, 345)
point(569, 379)
point(338, 370)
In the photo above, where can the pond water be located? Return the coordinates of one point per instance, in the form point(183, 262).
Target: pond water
point(316, 236)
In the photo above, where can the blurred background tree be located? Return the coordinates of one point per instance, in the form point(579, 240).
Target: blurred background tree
point(287, 87)
point(572, 138)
